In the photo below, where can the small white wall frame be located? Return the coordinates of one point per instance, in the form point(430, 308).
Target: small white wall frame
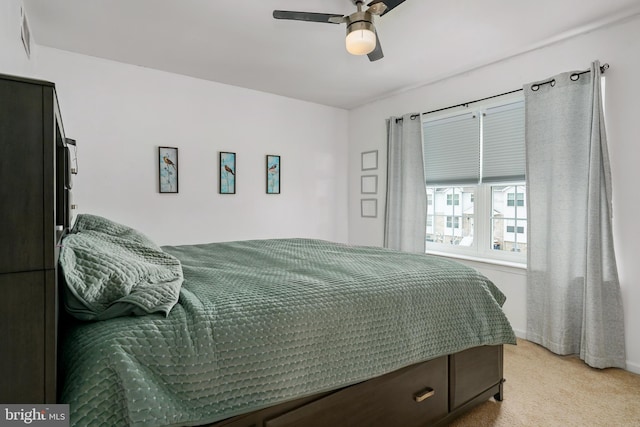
point(369, 184)
point(369, 160)
point(369, 208)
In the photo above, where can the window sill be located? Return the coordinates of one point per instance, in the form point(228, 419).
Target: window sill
point(492, 261)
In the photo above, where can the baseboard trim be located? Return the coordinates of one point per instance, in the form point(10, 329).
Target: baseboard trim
point(633, 367)
point(520, 334)
point(630, 366)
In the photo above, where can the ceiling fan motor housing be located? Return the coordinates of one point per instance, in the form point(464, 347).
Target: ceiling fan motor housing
point(359, 21)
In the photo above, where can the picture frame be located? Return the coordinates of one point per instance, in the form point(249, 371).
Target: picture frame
point(168, 169)
point(369, 208)
point(369, 184)
point(227, 173)
point(273, 174)
point(369, 160)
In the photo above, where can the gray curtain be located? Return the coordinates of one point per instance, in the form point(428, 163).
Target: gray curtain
point(574, 304)
point(406, 208)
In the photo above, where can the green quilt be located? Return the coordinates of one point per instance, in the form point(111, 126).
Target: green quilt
point(265, 321)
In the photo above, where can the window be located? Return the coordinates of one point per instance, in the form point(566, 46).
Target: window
point(513, 197)
point(512, 229)
point(453, 222)
point(453, 199)
point(474, 170)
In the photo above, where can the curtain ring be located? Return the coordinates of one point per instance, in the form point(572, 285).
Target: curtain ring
point(552, 82)
point(535, 87)
point(574, 77)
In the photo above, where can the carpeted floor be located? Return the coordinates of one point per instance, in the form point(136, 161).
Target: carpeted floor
point(544, 389)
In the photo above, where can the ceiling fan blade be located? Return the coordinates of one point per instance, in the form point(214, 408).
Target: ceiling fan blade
point(377, 52)
point(329, 18)
point(391, 4)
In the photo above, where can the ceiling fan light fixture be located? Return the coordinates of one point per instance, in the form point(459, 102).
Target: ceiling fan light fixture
point(361, 42)
point(361, 34)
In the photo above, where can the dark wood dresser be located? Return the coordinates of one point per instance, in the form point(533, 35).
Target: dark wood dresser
point(34, 214)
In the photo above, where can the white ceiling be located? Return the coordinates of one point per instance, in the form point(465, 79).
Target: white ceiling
point(238, 42)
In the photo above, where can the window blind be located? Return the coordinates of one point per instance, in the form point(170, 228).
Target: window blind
point(503, 150)
point(452, 150)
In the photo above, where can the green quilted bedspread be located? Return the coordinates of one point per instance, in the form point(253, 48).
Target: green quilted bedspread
point(265, 321)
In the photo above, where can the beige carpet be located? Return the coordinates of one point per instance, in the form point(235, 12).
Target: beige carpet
point(544, 389)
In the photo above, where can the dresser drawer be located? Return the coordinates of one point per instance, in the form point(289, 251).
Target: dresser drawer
point(389, 402)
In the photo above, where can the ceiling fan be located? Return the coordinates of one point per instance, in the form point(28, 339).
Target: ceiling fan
point(362, 37)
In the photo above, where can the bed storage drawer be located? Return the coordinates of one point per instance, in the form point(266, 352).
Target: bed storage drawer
point(473, 372)
point(412, 397)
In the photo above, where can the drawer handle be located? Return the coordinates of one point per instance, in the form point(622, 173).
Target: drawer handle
point(424, 394)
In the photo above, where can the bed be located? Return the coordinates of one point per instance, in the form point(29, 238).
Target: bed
point(279, 332)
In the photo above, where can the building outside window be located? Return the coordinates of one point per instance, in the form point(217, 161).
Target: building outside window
point(509, 219)
point(450, 216)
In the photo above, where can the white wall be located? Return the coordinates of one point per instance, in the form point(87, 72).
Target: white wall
point(617, 45)
point(119, 114)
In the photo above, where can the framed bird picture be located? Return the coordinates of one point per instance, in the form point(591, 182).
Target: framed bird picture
point(273, 174)
point(227, 176)
point(168, 169)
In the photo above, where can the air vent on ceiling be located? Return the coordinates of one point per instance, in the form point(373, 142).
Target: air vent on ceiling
point(25, 33)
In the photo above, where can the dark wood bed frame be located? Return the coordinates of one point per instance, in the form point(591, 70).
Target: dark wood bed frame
point(429, 393)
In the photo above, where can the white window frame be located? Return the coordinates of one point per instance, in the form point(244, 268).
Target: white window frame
point(482, 247)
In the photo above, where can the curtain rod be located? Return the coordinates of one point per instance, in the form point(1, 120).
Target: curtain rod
point(466, 104)
point(574, 77)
